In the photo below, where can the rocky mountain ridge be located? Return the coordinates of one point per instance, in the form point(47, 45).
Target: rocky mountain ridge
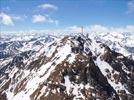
point(80, 67)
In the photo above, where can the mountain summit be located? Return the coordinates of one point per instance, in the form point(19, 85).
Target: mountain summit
point(70, 67)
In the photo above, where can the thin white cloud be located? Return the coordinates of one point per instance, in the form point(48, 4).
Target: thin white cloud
point(74, 28)
point(56, 22)
point(41, 18)
point(18, 18)
point(130, 6)
point(38, 19)
point(100, 29)
point(50, 20)
point(5, 9)
point(9, 19)
point(6, 19)
point(48, 6)
point(77, 29)
point(44, 19)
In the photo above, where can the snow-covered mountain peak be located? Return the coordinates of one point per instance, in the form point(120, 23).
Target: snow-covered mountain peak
point(80, 67)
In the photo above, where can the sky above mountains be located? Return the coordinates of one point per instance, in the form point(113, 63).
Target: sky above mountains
point(27, 15)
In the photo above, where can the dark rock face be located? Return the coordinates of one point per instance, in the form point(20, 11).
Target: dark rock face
point(3, 45)
point(80, 47)
point(3, 96)
point(125, 67)
point(4, 54)
point(17, 62)
point(130, 49)
point(88, 73)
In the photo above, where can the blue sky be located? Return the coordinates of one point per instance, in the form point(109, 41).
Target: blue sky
point(16, 15)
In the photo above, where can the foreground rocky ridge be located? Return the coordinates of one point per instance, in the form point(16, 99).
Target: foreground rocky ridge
point(67, 68)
